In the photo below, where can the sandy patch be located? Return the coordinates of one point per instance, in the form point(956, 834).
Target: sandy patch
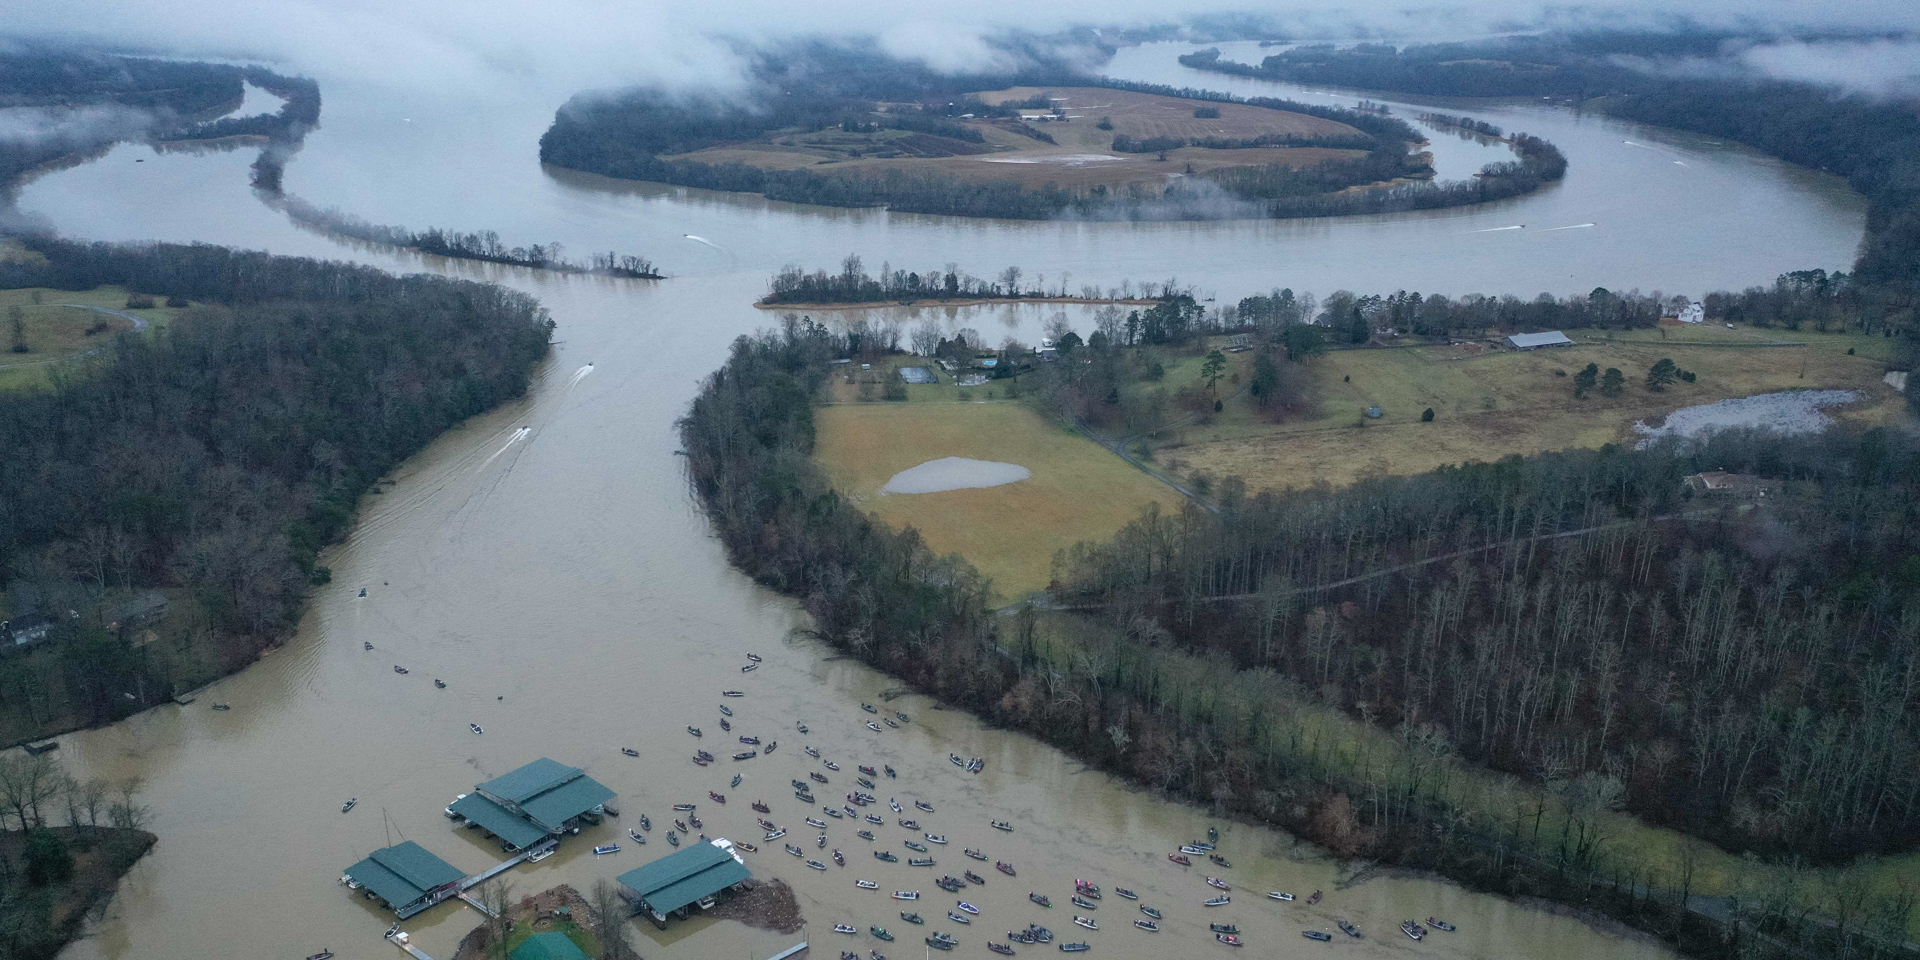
point(955, 473)
point(1795, 411)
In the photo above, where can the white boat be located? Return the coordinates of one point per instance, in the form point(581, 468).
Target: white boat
point(906, 894)
point(1084, 922)
point(935, 838)
point(605, 849)
point(866, 884)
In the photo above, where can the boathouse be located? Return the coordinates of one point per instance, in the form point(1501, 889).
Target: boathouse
point(542, 799)
point(551, 945)
point(1535, 341)
point(673, 884)
point(405, 877)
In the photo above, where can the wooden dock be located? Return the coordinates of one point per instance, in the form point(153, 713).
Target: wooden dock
point(399, 938)
point(795, 950)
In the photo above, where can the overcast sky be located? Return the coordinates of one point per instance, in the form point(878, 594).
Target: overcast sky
point(559, 46)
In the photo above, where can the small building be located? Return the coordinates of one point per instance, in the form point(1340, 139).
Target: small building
point(542, 799)
point(552, 945)
point(1535, 341)
point(24, 629)
point(1694, 312)
point(1719, 483)
point(405, 877)
point(673, 884)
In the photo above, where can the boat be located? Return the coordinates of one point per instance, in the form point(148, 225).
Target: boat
point(1080, 947)
point(681, 825)
point(1277, 895)
point(811, 752)
point(869, 771)
point(731, 693)
point(1353, 931)
point(1192, 849)
point(790, 848)
point(775, 835)
point(975, 854)
point(1039, 933)
point(645, 824)
point(1001, 825)
point(437, 682)
point(939, 944)
point(909, 917)
point(800, 727)
point(864, 834)
point(1000, 948)
point(750, 668)
point(935, 838)
point(694, 730)
point(1223, 928)
point(873, 726)
point(629, 751)
point(772, 745)
point(922, 804)
point(920, 862)
point(694, 821)
point(820, 841)
point(636, 836)
point(1441, 925)
point(1218, 884)
point(683, 806)
point(1216, 858)
point(1176, 858)
point(816, 865)
point(605, 849)
point(910, 824)
point(399, 669)
point(831, 812)
point(725, 727)
point(748, 847)
point(702, 761)
point(750, 741)
point(1319, 935)
point(716, 797)
point(889, 771)
point(1039, 899)
point(868, 707)
point(884, 855)
point(324, 953)
point(816, 822)
point(1003, 867)
point(726, 711)
point(866, 884)
point(895, 804)
point(753, 657)
point(876, 821)
point(475, 728)
point(843, 928)
point(907, 895)
point(888, 722)
point(921, 847)
point(1147, 925)
point(880, 933)
point(1216, 901)
point(1151, 912)
point(349, 805)
point(839, 859)
point(1087, 887)
point(760, 805)
point(1126, 894)
point(903, 717)
point(1204, 847)
point(672, 840)
point(974, 878)
point(1213, 835)
point(1313, 899)
point(957, 917)
point(968, 907)
point(746, 755)
point(221, 706)
point(1413, 930)
point(1083, 902)
point(817, 775)
point(950, 884)
point(1229, 939)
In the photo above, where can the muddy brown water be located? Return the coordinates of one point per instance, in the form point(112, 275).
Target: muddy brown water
point(567, 590)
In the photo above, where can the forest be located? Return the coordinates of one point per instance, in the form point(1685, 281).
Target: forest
point(215, 458)
point(1867, 140)
point(1575, 616)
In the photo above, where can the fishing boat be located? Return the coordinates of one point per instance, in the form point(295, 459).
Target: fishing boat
point(1151, 912)
point(1223, 928)
point(974, 878)
point(884, 855)
point(1277, 895)
point(909, 917)
point(1351, 930)
point(725, 727)
point(864, 834)
point(816, 865)
point(1020, 937)
point(895, 804)
point(694, 730)
point(750, 668)
point(869, 771)
point(1000, 948)
point(1000, 825)
point(1176, 858)
point(475, 728)
point(851, 812)
point(831, 812)
point(349, 805)
point(748, 847)
point(772, 745)
point(939, 944)
point(222, 706)
point(1229, 939)
point(746, 755)
point(1218, 884)
point(920, 862)
point(731, 693)
point(817, 775)
point(1087, 887)
point(949, 884)
point(790, 848)
point(975, 854)
point(820, 841)
point(800, 727)
point(839, 859)
point(694, 821)
point(830, 765)
point(1413, 930)
point(672, 840)
point(811, 752)
point(636, 836)
point(324, 954)
point(910, 824)
point(750, 741)
point(866, 884)
point(399, 669)
point(1216, 901)
point(726, 711)
point(1003, 867)
point(1313, 899)
point(1126, 894)
point(907, 895)
point(683, 807)
point(629, 751)
point(1147, 925)
point(1216, 858)
point(873, 726)
point(876, 821)
point(880, 933)
point(889, 771)
point(911, 845)
point(605, 849)
point(775, 834)
point(1083, 902)
point(888, 722)
point(843, 928)
point(700, 760)
point(816, 822)
point(645, 824)
point(957, 917)
point(716, 797)
point(439, 683)
point(1192, 849)
point(1039, 933)
point(1039, 899)
point(1319, 935)
point(868, 707)
point(680, 825)
point(761, 805)
point(903, 717)
point(1086, 922)
point(754, 657)
point(968, 907)
point(1441, 925)
point(922, 804)
point(1080, 947)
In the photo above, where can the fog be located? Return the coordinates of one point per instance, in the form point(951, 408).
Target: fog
point(551, 48)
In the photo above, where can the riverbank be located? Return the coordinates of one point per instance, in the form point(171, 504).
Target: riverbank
point(956, 302)
point(43, 911)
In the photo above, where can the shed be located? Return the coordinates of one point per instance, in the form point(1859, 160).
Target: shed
point(689, 876)
point(1535, 341)
point(406, 877)
point(552, 945)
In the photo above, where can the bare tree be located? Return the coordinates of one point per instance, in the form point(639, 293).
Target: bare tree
point(497, 896)
point(609, 920)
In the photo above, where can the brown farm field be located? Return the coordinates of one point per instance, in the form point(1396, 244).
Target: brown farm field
point(1082, 156)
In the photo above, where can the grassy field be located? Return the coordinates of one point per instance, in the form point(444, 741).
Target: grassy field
point(1078, 490)
point(57, 328)
point(1081, 157)
point(1489, 403)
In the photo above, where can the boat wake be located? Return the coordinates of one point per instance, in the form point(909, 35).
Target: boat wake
point(518, 435)
point(1517, 226)
point(1577, 226)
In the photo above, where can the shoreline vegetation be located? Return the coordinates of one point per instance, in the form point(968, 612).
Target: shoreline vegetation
point(853, 288)
point(185, 529)
point(484, 245)
point(647, 135)
point(764, 304)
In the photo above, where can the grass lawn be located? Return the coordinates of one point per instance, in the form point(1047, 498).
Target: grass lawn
point(1078, 490)
point(56, 328)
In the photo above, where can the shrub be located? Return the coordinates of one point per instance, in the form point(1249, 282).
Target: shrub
point(1427, 416)
point(1206, 113)
point(48, 859)
point(1106, 123)
point(139, 301)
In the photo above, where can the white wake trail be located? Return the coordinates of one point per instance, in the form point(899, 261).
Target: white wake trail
point(1517, 226)
point(1577, 226)
point(518, 435)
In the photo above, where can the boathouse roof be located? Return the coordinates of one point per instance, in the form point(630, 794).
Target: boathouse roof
point(545, 792)
point(675, 880)
point(403, 873)
point(515, 830)
point(552, 945)
point(528, 781)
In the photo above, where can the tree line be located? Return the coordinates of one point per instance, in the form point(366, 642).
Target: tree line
point(48, 821)
point(793, 284)
point(1149, 685)
point(215, 458)
point(484, 245)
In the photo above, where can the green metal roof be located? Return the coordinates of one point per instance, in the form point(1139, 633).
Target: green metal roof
point(404, 873)
point(503, 823)
point(570, 799)
point(551, 945)
point(534, 778)
point(675, 880)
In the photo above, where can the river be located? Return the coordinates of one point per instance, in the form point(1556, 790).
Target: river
point(569, 592)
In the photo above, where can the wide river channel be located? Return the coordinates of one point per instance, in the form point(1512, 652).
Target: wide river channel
point(567, 590)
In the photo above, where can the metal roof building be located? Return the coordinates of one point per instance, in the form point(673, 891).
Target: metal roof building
point(674, 881)
point(1534, 341)
point(407, 877)
point(551, 945)
point(538, 800)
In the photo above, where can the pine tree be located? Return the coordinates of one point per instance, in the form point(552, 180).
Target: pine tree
point(1585, 380)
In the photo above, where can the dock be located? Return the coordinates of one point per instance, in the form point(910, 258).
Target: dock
point(794, 950)
point(505, 865)
point(399, 938)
